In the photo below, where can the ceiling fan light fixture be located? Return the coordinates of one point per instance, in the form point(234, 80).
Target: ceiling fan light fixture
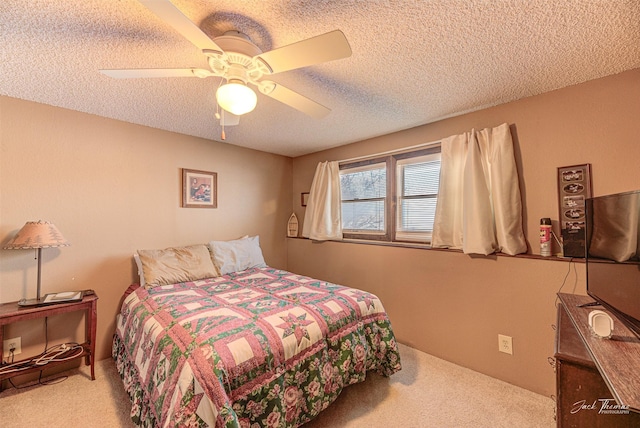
point(236, 97)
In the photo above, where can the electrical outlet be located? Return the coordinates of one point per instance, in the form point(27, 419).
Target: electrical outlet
point(15, 344)
point(505, 344)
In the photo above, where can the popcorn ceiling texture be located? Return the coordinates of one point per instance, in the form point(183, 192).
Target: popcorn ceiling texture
point(413, 62)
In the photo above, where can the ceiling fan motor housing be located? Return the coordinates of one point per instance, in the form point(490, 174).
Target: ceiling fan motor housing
point(237, 59)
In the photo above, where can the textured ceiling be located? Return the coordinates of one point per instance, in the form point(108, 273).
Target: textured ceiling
point(413, 62)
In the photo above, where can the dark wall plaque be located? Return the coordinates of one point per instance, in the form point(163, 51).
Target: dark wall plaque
point(574, 187)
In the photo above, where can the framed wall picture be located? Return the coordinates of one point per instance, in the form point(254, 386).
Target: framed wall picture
point(574, 187)
point(199, 189)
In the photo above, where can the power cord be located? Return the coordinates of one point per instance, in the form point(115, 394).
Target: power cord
point(62, 352)
point(571, 263)
point(555, 237)
point(40, 381)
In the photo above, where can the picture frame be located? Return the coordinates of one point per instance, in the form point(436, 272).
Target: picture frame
point(199, 189)
point(304, 198)
point(62, 297)
point(574, 188)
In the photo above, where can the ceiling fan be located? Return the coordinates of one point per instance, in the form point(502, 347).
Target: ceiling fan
point(239, 62)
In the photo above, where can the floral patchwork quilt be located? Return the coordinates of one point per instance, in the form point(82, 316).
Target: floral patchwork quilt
point(257, 348)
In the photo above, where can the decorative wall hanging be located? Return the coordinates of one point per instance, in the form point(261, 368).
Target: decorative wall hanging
point(199, 189)
point(292, 226)
point(574, 187)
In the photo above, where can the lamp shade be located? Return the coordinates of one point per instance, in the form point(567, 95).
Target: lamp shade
point(236, 97)
point(37, 234)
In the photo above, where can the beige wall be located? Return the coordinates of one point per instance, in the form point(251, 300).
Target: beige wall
point(454, 306)
point(111, 188)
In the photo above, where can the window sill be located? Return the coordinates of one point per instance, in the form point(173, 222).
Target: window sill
point(427, 247)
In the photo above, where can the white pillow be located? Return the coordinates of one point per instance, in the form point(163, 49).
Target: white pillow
point(136, 257)
point(237, 255)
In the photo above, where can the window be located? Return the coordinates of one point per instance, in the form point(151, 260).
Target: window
point(417, 193)
point(363, 187)
point(391, 198)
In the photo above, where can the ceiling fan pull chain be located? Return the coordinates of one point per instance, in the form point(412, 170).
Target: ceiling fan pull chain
point(222, 134)
point(218, 105)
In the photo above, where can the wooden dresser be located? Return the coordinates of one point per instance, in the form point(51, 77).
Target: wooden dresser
point(597, 380)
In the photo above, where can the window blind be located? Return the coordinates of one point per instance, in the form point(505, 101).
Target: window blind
point(417, 189)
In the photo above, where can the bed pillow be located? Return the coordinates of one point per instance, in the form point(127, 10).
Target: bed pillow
point(136, 257)
point(237, 255)
point(176, 264)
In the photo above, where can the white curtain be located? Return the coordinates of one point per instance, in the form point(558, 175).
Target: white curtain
point(323, 217)
point(479, 208)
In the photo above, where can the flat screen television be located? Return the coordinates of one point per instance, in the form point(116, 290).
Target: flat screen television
point(613, 255)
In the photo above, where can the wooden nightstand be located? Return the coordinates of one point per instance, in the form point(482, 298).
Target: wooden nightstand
point(11, 313)
point(590, 371)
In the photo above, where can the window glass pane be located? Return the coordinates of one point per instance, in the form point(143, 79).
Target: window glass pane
point(363, 215)
point(364, 182)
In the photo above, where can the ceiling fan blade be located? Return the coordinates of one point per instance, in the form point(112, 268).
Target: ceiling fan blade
point(293, 99)
point(183, 25)
point(133, 73)
point(323, 48)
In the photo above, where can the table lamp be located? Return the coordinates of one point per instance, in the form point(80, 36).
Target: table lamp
point(36, 235)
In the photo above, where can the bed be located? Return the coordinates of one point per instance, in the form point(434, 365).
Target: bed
point(261, 347)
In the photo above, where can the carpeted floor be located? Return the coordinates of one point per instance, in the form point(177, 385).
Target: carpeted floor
point(428, 392)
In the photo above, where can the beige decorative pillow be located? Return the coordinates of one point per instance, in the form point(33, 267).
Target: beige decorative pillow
point(176, 264)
